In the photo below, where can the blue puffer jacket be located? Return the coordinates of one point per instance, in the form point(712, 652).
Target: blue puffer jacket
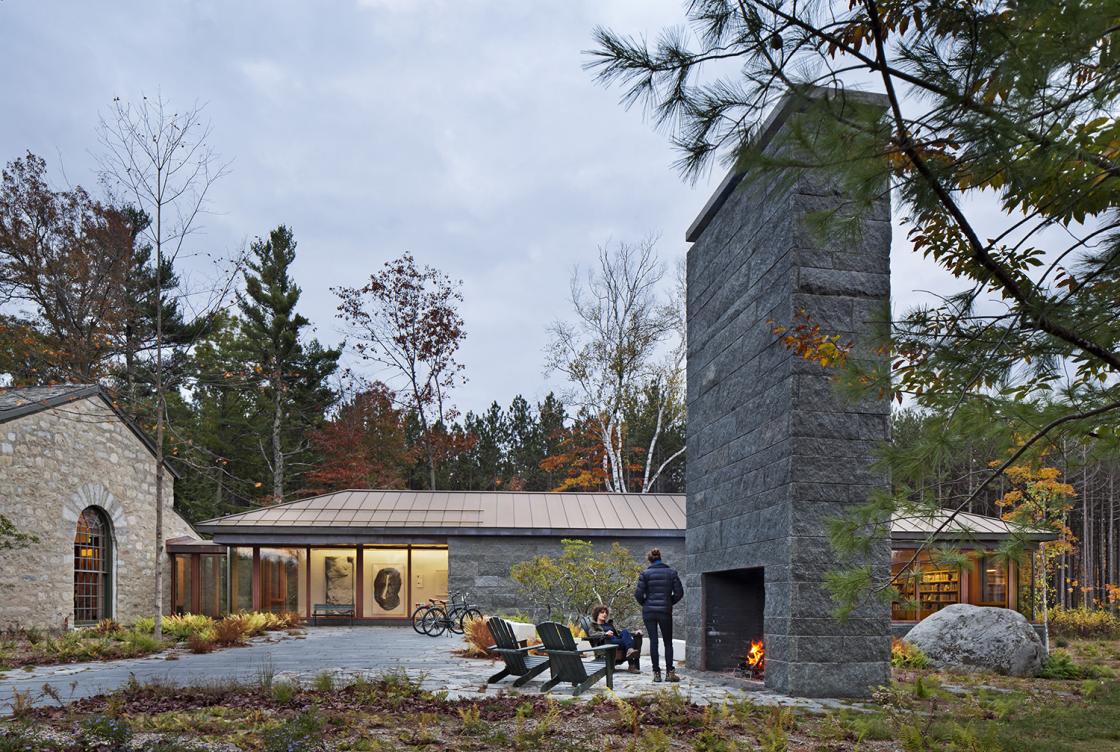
point(659, 588)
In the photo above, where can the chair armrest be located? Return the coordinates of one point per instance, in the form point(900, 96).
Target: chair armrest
point(597, 648)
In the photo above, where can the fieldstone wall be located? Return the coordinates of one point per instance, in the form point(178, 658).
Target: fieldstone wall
point(772, 451)
point(54, 464)
point(480, 565)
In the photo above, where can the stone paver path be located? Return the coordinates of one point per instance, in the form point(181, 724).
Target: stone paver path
point(346, 652)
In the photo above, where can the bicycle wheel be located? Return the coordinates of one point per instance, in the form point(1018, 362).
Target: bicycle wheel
point(434, 622)
point(468, 613)
point(417, 616)
point(455, 620)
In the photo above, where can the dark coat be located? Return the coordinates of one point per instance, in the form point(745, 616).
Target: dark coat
point(659, 589)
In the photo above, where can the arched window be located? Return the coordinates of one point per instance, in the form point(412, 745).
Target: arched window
point(93, 561)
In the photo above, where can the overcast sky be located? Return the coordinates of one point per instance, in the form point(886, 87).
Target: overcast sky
point(465, 132)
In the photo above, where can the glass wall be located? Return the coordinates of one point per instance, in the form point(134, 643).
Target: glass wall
point(993, 581)
point(429, 575)
point(282, 577)
point(926, 589)
point(181, 587)
point(1024, 573)
point(241, 579)
point(212, 585)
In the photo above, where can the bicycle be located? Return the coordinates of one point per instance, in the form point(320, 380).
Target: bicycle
point(449, 617)
point(420, 610)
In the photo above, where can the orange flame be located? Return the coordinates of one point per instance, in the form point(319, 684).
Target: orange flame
point(756, 654)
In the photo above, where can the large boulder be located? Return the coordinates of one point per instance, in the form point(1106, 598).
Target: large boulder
point(980, 638)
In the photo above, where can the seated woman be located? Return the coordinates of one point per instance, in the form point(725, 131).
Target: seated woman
point(604, 631)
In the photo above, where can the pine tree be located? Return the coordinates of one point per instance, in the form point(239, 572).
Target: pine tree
point(289, 373)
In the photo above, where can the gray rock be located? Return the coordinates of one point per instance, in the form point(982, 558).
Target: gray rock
point(980, 638)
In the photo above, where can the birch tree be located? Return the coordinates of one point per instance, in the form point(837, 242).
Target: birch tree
point(625, 337)
point(162, 161)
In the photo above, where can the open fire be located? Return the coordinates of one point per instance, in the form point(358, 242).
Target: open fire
point(754, 662)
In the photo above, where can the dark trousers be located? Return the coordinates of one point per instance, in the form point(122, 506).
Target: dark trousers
point(627, 642)
point(663, 622)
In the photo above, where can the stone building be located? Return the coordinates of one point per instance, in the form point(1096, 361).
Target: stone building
point(80, 477)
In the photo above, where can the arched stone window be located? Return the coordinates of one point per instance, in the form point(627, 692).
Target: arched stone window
point(93, 567)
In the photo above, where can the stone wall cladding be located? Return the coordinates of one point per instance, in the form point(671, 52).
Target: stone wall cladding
point(53, 464)
point(773, 452)
point(480, 566)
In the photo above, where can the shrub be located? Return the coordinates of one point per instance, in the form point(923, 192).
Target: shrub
point(145, 624)
point(574, 582)
point(140, 642)
point(477, 635)
point(1084, 622)
point(229, 631)
point(105, 732)
point(107, 627)
point(283, 692)
point(300, 733)
point(182, 627)
point(323, 682)
point(200, 644)
point(907, 655)
point(1060, 665)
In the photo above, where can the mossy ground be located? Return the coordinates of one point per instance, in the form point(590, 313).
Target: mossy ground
point(921, 710)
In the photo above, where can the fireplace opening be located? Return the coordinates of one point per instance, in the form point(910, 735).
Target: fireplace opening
point(733, 607)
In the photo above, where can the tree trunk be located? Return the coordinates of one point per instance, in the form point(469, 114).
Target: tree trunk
point(277, 449)
point(157, 631)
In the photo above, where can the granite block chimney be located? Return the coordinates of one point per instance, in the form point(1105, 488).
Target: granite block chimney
point(772, 451)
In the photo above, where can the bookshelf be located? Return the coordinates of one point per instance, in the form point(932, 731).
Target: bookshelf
point(936, 589)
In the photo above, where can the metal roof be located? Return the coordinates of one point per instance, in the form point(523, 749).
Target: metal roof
point(485, 512)
point(516, 512)
point(20, 401)
point(920, 526)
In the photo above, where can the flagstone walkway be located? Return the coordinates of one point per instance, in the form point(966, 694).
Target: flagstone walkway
point(344, 652)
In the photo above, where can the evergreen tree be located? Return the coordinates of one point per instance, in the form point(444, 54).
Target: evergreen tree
point(290, 374)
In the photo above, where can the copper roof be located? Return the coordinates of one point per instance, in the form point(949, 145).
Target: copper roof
point(473, 510)
point(515, 512)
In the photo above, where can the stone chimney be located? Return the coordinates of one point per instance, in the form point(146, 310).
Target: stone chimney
point(772, 451)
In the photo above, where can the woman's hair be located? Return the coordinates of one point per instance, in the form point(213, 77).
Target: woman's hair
point(654, 554)
point(598, 610)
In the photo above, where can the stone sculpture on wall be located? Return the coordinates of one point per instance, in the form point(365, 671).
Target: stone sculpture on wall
point(387, 588)
point(340, 579)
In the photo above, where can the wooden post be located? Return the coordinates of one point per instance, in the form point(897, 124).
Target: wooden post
point(359, 584)
point(196, 584)
point(307, 580)
point(256, 578)
point(174, 580)
point(411, 577)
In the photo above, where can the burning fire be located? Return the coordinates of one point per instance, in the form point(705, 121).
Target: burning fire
point(756, 656)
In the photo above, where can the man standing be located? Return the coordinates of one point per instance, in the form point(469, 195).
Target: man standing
point(659, 589)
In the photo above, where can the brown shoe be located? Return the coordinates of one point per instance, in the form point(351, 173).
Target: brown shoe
point(632, 669)
point(671, 676)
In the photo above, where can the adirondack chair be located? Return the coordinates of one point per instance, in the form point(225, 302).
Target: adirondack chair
point(566, 659)
point(517, 659)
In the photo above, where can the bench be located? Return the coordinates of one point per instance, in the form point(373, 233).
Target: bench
point(332, 611)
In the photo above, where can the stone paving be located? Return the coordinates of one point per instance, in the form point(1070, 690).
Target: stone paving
point(348, 652)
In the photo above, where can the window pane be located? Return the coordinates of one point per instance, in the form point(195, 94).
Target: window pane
point(281, 579)
point(213, 585)
point(241, 579)
point(181, 598)
point(993, 581)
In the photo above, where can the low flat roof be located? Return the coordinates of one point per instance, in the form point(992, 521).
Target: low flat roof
point(455, 513)
point(463, 513)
